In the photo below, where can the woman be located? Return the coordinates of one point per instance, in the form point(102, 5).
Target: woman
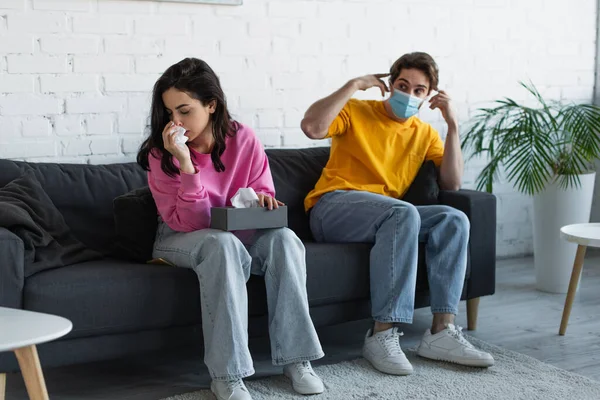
point(186, 180)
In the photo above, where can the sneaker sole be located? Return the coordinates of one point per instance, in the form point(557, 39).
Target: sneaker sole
point(304, 389)
point(466, 362)
point(387, 370)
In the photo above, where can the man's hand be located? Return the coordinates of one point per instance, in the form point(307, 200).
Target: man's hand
point(320, 115)
point(444, 103)
point(268, 201)
point(369, 81)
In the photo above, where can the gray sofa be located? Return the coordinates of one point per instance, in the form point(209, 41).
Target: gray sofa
point(119, 307)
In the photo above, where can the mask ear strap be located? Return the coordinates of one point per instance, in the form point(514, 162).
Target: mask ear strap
point(432, 94)
point(429, 96)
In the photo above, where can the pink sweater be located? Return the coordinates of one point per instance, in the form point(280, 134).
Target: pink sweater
point(184, 201)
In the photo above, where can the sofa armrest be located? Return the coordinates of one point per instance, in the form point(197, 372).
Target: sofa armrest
point(12, 269)
point(480, 208)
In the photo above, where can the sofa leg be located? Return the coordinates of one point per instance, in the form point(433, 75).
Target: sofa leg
point(2, 385)
point(472, 309)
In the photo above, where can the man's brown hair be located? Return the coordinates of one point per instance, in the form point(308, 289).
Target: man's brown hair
point(417, 60)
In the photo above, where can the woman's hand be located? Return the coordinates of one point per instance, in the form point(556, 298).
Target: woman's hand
point(268, 201)
point(180, 151)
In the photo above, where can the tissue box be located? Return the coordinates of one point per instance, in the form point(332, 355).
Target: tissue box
point(238, 219)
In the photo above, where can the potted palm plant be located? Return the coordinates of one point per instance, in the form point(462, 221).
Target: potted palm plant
point(546, 151)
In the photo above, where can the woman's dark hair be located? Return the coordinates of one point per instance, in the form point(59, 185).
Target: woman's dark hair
point(196, 78)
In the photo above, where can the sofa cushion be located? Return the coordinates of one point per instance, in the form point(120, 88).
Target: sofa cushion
point(83, 194)
point(295, 173)
point(424, 190)
point(345, 264)
point(113, 296)
point(136, 220)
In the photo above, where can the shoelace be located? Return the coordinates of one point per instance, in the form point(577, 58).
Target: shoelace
point(304, 368)
point(457, 333)
point(392, 342)
point(234, 385)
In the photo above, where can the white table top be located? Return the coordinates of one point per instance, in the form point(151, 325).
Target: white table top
point(20, 328)
point(583, 234)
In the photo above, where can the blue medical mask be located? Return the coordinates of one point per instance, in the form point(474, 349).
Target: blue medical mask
point(404, 105)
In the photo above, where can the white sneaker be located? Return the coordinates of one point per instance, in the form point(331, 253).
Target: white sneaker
point(304, 379)
point(384, 352)
point(230, 390)
point(450, 345)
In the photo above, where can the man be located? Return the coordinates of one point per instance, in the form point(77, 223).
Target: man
point(377, 149)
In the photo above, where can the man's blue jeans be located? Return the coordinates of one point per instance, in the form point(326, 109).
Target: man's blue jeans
point(396, 228)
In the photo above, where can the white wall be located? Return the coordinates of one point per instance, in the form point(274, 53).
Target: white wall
point(595, 214)
point(75, 74)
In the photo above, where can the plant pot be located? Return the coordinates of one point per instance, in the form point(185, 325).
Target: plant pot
point(553, 209)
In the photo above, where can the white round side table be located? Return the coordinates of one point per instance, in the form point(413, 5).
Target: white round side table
point(21, 332)
point(585, 235)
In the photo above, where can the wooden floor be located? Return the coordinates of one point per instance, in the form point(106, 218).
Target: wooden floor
point(525, 320)
point(517, 317)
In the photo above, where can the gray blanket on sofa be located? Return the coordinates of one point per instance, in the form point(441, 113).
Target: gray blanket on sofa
point(27, 211)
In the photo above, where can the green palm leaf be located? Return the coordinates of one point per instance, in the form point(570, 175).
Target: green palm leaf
point(536, 146)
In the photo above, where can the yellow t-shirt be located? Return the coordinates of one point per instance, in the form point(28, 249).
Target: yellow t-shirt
point(373, 153)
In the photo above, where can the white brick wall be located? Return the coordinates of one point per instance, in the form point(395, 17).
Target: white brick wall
point(102, 64)
point(68, 83)
point(100, 24)
point(59, 44)
point(31, 64)
point(16, 44)
point(37, 22)
point(36, 127)
point(75, 75)
point(18, 84)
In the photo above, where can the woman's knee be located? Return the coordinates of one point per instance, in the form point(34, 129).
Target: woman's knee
point(223, 248)
point(282, 248)
point(281, 237)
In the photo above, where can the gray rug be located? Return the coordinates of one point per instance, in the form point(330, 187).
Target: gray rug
point(515, 376)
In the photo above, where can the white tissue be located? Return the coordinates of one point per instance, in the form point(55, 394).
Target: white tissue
point(179, 137)
point(245, 198)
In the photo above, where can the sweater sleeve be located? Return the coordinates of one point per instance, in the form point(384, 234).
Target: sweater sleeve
point(260, 178)
point(182, 201)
